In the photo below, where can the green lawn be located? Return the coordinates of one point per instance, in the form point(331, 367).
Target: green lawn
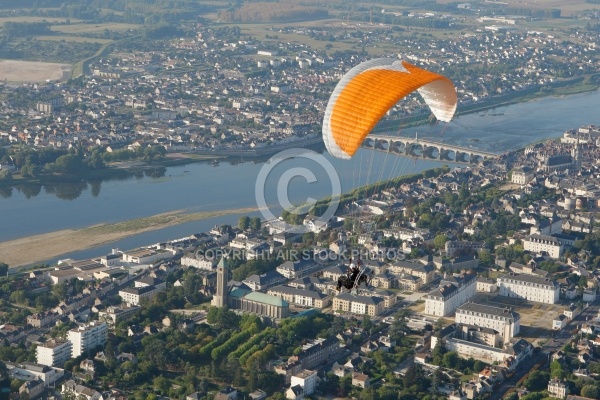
point(77, 39)
point(33, 19)
point(93, 28)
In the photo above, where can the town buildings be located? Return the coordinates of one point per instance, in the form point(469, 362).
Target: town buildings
point(505, 321)
point(54, 352)
point(529, 287)
point(542, 243)
point(301, 297)
point(87, 337)
point(112, 315)
point(558, 388)
point(482, 344)
point(425, 272)
point(369, 305)
point(245, 300)
point(452, 293)
point(134, 296)
point(307, 380)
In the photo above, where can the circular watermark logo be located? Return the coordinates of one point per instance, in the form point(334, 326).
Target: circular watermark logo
point(317, 222)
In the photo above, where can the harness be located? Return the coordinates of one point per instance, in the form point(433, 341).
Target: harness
point(356, 282)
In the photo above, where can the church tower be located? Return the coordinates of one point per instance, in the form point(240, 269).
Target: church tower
point(220, 297)
point(576, 156)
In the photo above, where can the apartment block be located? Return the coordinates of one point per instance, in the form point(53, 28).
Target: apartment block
point(54, 353)
point(453, 292)
point(529, 287)
point(87, 337)
point(505, 321)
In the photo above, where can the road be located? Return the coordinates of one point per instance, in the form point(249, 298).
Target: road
point(554, 343)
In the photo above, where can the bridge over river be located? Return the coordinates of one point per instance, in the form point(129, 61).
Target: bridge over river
point(427, 149)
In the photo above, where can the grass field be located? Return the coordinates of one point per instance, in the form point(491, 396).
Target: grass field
point(93, 28)
point(34, 19)
point(77, 39)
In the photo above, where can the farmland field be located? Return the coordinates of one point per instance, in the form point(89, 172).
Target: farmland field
point(33, 71)
point(568, 7)
point(93, 28)
point(78, 39)
point(34, 19)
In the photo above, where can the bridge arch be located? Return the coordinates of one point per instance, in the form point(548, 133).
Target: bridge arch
point(414, 149)
point(382, 144)
point(398, 147)
point(463, 157)
point(431, 152)
point(447, 154)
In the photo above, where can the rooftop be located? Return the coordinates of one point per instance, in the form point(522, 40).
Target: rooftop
point(489, 310)
point(266, 299)
point(538, 280)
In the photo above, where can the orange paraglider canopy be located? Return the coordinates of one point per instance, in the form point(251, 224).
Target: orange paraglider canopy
point(369, 90)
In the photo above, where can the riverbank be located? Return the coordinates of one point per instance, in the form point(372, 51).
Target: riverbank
point(122, 169)
point(35, 249)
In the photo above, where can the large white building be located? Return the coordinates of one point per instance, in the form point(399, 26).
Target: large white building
point(31, 371)
point(529, 287)
point(134, 296)
point(369, 305)
point(306, 379)
point(87, 337)
point(146, 256)
point(453, 338)
point(503, 320)
point(542, 243)
point(301, 297)
point(522, 175)
point(113, 314)
point(452, 293)
point(199, 262)
point(54, 353)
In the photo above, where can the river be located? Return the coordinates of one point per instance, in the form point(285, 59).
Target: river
point(203, 187)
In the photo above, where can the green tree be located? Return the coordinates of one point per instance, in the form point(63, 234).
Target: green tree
point(398, 328)
point(440, 241)
point(537, 381)
point(69, 163)
point(366, 323)
point(191, 286)
point(535, 396)
point(451, 360)
point(255, 224)
point(244, 222)
point(511, 396)
point(438, 353)
point(556, 370)
point(19, 297)
point(591, 391)
point(3, 269)
point(478, 366)
point(5, 175)
point(486, 258)
point(162, 384)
